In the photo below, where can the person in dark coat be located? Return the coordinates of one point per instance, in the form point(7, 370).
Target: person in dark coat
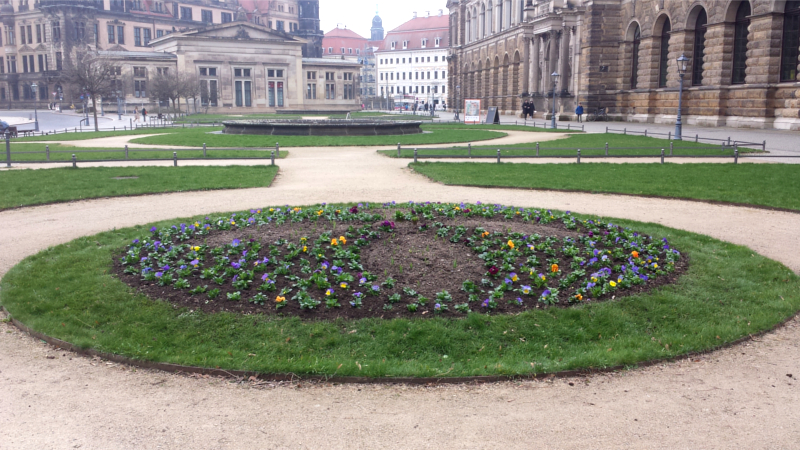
point(579, 112)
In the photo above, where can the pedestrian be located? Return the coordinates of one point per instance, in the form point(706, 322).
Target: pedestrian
point(579, 112)
point(444, 106)
point(135, 113)
point(144, 115)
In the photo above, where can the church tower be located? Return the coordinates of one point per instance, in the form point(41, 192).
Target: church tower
point(309, 28)
point(377, 28)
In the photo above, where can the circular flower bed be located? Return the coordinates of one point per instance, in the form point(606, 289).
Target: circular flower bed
point(414, 260)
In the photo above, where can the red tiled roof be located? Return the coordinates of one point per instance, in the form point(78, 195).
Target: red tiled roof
point(415, 30)
point(339, 38)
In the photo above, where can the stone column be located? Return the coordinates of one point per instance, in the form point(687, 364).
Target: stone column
point(576, 58)
point(564, 80)
point(526, 68)
point(551, 63)
point(534, 86)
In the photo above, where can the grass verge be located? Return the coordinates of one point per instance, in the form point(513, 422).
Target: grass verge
point(590, 145)
point(80, 136)
point(34, 187)
point(771, 185)
point(728, 293)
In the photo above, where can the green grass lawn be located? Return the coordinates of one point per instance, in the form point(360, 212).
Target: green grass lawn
point(36, 152)
point(728, 293)
point(34, 187)
point(437, 135)
point(590, 145)
point(773, 185)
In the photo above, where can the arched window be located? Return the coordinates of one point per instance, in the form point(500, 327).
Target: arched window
point(699, 48)
point(489, 19)
point(791, 41)
point(637, 42)
point(740, 40)
point(469, 27)
point(664, 58)
point(482, 23)
point(500, 15)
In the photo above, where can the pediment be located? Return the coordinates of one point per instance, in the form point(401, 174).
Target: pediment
point(239, 30)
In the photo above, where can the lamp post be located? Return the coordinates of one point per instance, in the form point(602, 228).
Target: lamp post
point(682, 60)
point(555, 83)
point(34, 91)
point(458, 94)
point(119, 107)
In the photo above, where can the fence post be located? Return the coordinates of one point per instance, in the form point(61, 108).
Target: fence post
point(469, 149)
point(625, 131)
point(175, 159)
point(498, 156)
point(537, 149)
point(398, 149)
point(115, 128)
point(729, 141)
point(47, 152)
point(74, 162)
point(764, 146)
point(670, 148)
point(579, 156)
point(669, 135)
point(645, 132)
point(126, 151)
point(606, 130)
point(8, 149)
point(736, 155)
point(131, 122)
point(204, 149)
point(583, 127)
point(606, 148)
point(415, 155)
point(696, 138)
point(272, 157)
point(568, 125)
point(662, 156)
point(278, 147)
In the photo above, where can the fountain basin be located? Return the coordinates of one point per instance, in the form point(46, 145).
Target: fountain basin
point(356, 127)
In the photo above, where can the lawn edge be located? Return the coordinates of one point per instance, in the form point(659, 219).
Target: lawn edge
point(265, 376)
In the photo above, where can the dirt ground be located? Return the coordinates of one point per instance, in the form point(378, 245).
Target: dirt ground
point(742, 397)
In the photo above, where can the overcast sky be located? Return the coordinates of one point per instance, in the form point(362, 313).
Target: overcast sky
point(357, 14)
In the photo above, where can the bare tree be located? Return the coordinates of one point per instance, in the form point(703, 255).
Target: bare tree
point(189, 87)
point(91, 74)
point(165, 86)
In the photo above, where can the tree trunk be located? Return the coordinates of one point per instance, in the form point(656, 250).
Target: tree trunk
point(94, 104)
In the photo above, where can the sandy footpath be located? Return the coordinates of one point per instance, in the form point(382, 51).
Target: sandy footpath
point(736, 398)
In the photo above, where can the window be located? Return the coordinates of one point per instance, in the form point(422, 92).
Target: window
point(207, 16)
point(59, 61)
point(137, 36)
point(227, 17)
point(330, 86)
point(740, 40)
point(147, 36)
point(637, 42)
point(350, 51)
point(393, 44)
point(186, 13)
point(140, 82)
point(700, 48)
point(41, 63)
point(664, 56)
point(435, 59)
point(341, 50)
point(208, 86)
point(424, 43)
point(80, 31)
point(311, 86)
point(436, 75)
point(791, 41)
point(56, 31)
point(438, 41)
point(10, 36)
point(275, 87)
point(38, 34)
point(2, 64)
point(22, 35)
point(24, 64)
point(159, 33)
point(2, 93)
point(111, 34)
point(349, 87)
point(243, 87)
point(121, 35)
point(162, 71)
point(279, 25)
point(96, 34)
point(30, 34)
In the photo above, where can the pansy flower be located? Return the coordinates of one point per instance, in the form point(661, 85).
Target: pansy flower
point(526, 289)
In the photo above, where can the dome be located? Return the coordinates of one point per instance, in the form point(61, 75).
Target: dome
point(6, 9)
point(377, 22)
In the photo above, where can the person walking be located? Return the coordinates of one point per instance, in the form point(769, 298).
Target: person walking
point(144, 115)
point(136, 114)
point(579, 112)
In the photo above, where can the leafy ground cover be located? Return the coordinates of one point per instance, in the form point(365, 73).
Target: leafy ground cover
point(590, 145)
point(728, 292)
point(772, 185)
point(436, 136)
point(427, 259)
point(36, 152)
point(34, 187)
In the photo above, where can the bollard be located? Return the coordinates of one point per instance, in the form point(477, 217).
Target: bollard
point(736, 156)
point(115, 128)
point(662, 156)
point(74, 162)
point(670, 148)
point(126, 151)
point(175, 159)
point(278, 147)
point(498, 156)
point(568, 126)
point(669, 135)
point(729, 141)
point(47, 152)
point(579, 156)
point(645, 132)
point(606, 148)
point(272, 157)
point(469, 149)
point(131, 122)
point(625, 131)
point(398, 149)
point(537, 149)
point(8, 149)
point(606, 130)
point(583, 127)
point(696, 138)
point(764, 146)
point(415, 155)
point(125, 128)
point(204, 149)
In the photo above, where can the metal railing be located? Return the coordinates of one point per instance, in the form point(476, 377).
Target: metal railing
point(697, 138)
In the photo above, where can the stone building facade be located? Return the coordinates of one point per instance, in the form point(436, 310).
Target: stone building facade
point(622, 55)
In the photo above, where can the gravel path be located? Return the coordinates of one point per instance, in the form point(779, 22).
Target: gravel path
point(736, 398)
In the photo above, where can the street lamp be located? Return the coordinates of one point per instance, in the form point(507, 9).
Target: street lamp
point(119, 107)
point(458, 94)
point(555, 83)
point(34, 91)
point(682, 60)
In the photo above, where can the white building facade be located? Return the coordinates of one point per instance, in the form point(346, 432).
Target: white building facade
point(412, 62)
